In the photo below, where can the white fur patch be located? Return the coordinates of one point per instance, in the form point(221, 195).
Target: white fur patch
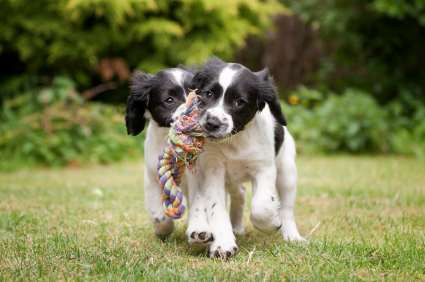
point(178, 77)
point(179, 112)
point(225, 79)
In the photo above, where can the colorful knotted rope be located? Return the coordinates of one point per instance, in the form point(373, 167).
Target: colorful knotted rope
point(185, 142)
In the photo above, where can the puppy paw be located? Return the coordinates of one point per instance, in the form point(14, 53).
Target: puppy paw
point(222, 250)
point(290, 233)
point(201, 237)
point(163, 226)
point(239, 230)
point(294, 238)
point(264, 215)
point(269, 225)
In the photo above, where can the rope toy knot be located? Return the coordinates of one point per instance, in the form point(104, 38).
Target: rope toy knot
point(185, 142)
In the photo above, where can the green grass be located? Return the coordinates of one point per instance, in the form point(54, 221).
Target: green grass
point(90, 224)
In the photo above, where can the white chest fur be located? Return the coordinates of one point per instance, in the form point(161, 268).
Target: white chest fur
point(246, 152)
point(154, 144)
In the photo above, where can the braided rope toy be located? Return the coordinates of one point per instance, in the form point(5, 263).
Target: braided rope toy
point(185, 142)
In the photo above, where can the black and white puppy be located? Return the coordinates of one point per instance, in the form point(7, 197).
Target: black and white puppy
point(248, 141)
point(162, 99)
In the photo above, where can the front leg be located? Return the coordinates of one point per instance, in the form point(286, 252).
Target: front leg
point(198, 230)
point(162, 224)
point(264, 204)
point(214, 197)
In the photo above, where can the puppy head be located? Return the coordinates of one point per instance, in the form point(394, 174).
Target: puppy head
point(161, 97)
point(231, 96)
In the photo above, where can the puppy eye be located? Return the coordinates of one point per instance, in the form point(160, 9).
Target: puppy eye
point(208, 94)
point(239, 103)
point(169, 100)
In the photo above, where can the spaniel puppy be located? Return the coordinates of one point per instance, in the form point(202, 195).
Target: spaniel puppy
point(248, 141)
point(162, 99)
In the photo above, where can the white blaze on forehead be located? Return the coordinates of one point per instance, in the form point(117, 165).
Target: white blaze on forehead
point(178, 76)
point(225, 79)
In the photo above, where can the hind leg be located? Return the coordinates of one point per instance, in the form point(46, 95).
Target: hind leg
point(237, 206)
point(286, 183)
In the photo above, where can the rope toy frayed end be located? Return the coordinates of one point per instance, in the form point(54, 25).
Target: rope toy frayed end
point(185, 142)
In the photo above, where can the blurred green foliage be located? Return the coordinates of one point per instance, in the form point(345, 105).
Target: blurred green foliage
point(69, 37)
point(54, 126)
point(50, 51)
point(377, 46)
point(354, 122)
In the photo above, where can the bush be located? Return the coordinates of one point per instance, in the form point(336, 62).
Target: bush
point(373, 45)
point(54, 126)
point(70, 37)
point(408, 134)
point(353, 122)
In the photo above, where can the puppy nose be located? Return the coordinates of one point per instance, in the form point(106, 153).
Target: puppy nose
point(212, 124)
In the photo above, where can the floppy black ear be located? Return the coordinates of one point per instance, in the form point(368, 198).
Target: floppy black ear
point(137, 102)
point(267, 94)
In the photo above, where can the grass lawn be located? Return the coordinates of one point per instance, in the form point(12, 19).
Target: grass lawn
point(90, 224)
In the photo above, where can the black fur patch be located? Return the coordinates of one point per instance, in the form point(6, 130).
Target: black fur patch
point(211, 239)
point(279, 136)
